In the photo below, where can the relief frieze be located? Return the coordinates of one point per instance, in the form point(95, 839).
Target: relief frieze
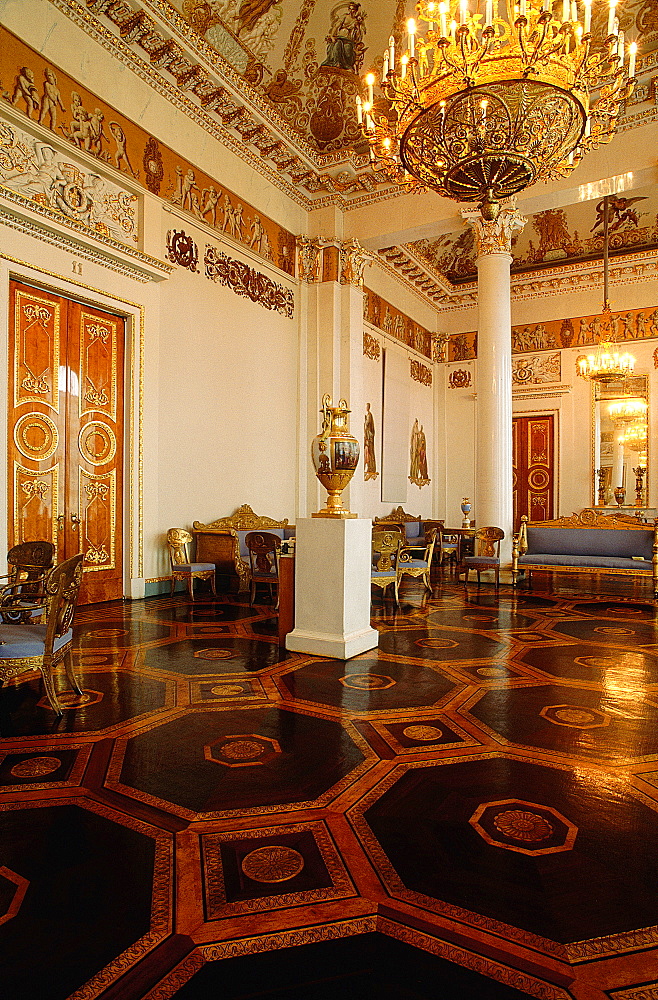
point(47, 95)
point(555, 335)
point(380, 313)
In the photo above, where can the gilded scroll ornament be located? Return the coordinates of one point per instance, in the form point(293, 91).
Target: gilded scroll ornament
point(182, 250)
point(245, 281)
point(460, 378)
point(420, 373)
point(371, 346)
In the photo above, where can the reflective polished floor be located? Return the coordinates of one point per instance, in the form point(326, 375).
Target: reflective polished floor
point(471, 810)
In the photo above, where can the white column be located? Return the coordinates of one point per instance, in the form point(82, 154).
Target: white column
point(618, 460)
point(493, 478)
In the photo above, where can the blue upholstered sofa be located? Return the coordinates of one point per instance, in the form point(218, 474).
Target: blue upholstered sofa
point(223, 541)
point(587, 542)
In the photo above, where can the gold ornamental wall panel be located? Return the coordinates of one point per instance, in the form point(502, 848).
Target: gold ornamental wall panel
point(37, 325)
point(98, 365)
point(97, 499)
point(36, 503)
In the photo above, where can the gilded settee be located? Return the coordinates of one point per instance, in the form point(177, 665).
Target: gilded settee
point(222, 541)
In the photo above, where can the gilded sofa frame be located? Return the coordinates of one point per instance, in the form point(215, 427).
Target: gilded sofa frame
point(219, 542)
point(587, 518)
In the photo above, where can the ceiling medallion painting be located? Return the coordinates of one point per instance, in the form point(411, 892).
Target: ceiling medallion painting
point(303, 59)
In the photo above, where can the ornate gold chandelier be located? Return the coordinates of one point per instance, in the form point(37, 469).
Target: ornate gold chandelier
point(607, 364)
point(627, 410)
point(495, 96)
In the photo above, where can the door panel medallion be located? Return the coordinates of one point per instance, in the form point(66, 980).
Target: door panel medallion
point(97, 443)
point(36, 437)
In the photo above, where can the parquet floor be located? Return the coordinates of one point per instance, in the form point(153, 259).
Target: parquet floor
point(469, 811)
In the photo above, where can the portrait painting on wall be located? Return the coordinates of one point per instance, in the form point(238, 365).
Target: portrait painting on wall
point(418, 473)
point(369, 457)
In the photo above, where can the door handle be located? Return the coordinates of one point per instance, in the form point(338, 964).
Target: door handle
point(75, 521)
point(60, 521)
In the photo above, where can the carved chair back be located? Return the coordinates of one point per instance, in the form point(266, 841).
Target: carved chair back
point(28, 563)
point(386, 543)
point(62, 590)
point(178, 540)
point(264, 548)
point(488, 541)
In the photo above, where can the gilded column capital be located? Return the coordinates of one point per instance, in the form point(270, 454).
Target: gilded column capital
point(495, 236)
point(352, 261)
point(440, 347)
point(309, 256)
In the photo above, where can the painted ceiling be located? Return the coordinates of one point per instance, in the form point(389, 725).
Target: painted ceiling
point(556, 236)
point(306, 57)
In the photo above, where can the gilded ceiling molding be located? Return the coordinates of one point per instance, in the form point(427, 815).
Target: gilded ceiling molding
point(255, 120)
point(494, 236)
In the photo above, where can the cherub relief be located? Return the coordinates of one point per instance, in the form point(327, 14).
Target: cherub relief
point(25, 90)
point(210, 198)
point(121, 153)
point(51, 99)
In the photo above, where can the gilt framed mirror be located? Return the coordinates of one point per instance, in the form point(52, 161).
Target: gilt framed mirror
point(620, 460)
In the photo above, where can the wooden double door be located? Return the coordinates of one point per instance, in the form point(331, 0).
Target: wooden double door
point(65, 419)
point(533, 460)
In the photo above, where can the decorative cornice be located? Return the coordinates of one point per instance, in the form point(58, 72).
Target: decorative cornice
point(153, 270)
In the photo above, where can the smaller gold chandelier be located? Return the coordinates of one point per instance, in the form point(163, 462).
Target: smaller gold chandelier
point(627, 410)
point(635, 437)
point(607, 364)
point(490, 101)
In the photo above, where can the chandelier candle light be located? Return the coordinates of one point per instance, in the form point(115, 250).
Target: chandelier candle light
point(495, 96)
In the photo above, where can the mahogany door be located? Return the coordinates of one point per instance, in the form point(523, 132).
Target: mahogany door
point(534, 468)
point(66, 433)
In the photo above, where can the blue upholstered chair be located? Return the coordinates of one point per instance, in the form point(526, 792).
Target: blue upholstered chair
point(409, 564)
point(386, 545)
point(178, 540)
point(487, 544)
point(29, 564)
point(264, 548)
point(28, 647)
point(448, 548)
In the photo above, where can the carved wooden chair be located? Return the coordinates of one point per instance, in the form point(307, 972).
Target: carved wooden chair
point(29, 564)
point(178, 540)
point(487, 543)
point(264, 549)
point(28, 647)
point(386, 545)
point(448, 548)
point(410, 565)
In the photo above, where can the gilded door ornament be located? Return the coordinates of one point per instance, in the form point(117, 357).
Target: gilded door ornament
point(309, 260)
point(460, 378)
point(420, 373)
point(98, 365)
point(36, 437)
point(352, 261)
point(97, 442)
point(371, 346)
point(97, 499)
point(495, 236)
point(36, 498)
point(36, 355)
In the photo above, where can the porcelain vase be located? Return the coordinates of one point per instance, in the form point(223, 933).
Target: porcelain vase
point(335, 455)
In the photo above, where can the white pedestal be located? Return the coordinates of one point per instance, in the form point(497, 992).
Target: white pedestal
point(332, 588)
